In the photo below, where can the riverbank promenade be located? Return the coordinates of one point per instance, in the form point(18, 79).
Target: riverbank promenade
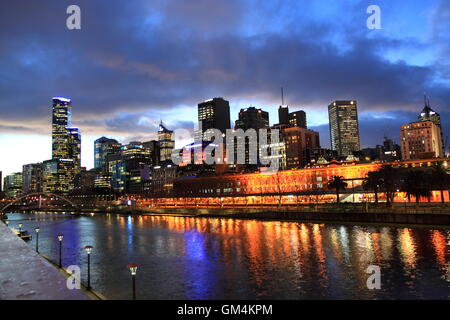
point(25, 275)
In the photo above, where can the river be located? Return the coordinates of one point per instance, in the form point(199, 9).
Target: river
point(218, 258)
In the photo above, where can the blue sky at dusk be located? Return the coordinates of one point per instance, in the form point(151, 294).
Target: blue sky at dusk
point(136, 62)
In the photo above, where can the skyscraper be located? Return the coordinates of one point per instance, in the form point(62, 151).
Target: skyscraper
point(251, 118)
point(214, 114)
point(166, 143)
point(66, 149)
point(102, 147)
point(74, 147)
point(344, 128)
point(61, 120)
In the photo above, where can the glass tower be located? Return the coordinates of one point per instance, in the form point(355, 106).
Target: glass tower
point(103, 147)
point(61, 120)
point(166, 143)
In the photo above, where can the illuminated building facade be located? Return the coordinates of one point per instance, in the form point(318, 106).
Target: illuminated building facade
point(295, 119)
point(58, 176)
point(66, 143)
point(32, 177)
point(12, 185)
point(166, 143)
point(429, 114)
point(297, 141)
point(61, 120)
point(103, 182)
point(344, 127)
point(298, 119)
point(74, 147)
point(307, 185)
point(103, 147)
point(420, 140)
point(129, 169)
point(162, 179)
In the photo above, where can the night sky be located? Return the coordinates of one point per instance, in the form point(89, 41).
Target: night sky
point(136, 62)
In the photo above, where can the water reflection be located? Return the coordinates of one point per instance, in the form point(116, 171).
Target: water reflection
point(197, 258)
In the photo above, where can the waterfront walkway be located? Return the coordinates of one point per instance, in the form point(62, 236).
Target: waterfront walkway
point(25, 275)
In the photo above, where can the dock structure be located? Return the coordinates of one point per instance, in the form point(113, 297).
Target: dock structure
point(25, 275)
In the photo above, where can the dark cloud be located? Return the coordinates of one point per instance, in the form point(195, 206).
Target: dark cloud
point(134, 61)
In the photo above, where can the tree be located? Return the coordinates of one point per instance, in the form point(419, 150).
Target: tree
point(338, 184)
point(416, 184)
point(373, 182)
point(440, 178)
point(390, 180)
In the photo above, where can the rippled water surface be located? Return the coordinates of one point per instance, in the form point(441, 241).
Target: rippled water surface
point(209, 258)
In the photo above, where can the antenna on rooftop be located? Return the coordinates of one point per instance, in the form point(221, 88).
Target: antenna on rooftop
point(282, 96)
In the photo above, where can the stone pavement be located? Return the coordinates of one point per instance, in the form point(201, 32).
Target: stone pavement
point(25, 275)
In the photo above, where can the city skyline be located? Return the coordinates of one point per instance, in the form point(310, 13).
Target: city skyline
point(407, 54)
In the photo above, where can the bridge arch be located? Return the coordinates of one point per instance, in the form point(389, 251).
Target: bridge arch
point(47, 194)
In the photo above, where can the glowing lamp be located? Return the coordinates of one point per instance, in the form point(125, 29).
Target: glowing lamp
point(133, 269)
point(88, 249)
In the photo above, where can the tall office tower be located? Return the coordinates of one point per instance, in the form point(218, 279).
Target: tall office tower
point(421, 140)
point(32, 178)
point(153, 147)
point(103, 147)
point(214, 114)
point(61, 120)
point(74, 149)
point(166, 143)
point(1, 182)
point(283, 114)
point(344, 128)
point(429, 114)
point(251, 118)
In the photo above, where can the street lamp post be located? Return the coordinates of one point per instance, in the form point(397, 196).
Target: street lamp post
point(37, 238)
point(89, 251)
point(60, 239)
point(133, 270)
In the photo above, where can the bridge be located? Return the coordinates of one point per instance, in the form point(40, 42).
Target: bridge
point(40, 195)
